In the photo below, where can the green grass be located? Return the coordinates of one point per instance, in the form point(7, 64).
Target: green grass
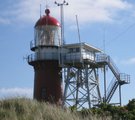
point(26, 109)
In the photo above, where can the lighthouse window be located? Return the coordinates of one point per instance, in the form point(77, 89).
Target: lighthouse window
point(47, 35)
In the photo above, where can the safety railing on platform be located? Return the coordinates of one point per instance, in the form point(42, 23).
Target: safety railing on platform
point(125, 78)
point(42, 56)
point(103, 58)
point(114, 68)
point(34, 44)
point(76, 57)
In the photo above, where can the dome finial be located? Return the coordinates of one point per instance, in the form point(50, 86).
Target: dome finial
point(47, 11)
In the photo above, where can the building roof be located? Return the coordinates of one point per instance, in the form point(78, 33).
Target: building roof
point(84, 45)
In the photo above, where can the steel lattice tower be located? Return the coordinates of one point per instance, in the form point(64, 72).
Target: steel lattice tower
point(81, 86)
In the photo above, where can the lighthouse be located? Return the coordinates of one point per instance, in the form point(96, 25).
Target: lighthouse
point(45, 59)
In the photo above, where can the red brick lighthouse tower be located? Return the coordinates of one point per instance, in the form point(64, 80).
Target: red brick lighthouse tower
point(45, 59)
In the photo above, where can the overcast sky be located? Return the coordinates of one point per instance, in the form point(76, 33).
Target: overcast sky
point(112, 21)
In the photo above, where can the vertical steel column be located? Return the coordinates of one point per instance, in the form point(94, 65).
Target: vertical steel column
point(104, 83)
point(87, 84)
point(120, 94)
point(97, 82)
point(77, 86)
point(66, 80)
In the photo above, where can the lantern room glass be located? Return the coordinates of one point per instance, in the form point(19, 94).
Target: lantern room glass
point(47, 35)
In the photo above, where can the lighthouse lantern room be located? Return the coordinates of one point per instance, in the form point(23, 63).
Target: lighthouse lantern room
point(47, 31)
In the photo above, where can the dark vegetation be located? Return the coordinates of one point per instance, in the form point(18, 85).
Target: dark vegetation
point(26, 109)
point(116, 112)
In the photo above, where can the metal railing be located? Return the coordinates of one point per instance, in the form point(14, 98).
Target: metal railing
point(107, 59)
point(113, 67)
point(34, 44)
point(125, 77)
point(75, 57)
point(42, 56)
point(101, 58)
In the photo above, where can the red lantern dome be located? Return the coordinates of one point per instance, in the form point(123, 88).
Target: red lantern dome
point(47, 20)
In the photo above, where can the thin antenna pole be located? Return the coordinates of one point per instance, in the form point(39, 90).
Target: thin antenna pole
point(104, 40)
point(79, 38)
point(40, 10)
point(46, 4)
point(78, 29)
point(62, 19)
point(105, 84)
point(62, 24)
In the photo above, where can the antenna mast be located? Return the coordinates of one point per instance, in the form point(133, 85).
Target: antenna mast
point(78, 29)
point(40, 10)
point(46, 4)
point(104, 40)
point(79, 37)
point(62, 19)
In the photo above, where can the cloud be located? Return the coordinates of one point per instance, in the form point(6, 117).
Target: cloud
point(4, 21)
point(16, 92)
point(24, 11)
point(130, 61)
point(87, 10)
point(96, 10)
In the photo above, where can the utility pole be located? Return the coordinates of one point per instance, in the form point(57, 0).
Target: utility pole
point(62, 19)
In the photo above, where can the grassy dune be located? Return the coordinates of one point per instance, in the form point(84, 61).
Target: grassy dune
point(25, 109)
